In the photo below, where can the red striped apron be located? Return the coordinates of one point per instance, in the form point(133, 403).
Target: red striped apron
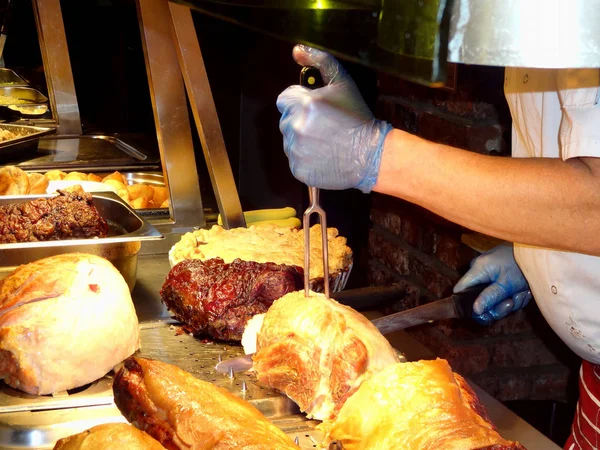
point(585, 433)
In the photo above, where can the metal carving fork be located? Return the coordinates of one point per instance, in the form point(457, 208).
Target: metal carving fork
point(314, 207)
point(310, 77)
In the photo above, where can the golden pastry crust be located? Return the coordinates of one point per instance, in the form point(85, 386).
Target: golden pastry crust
point(109, 436)
point(264, 244)
point(419, 405)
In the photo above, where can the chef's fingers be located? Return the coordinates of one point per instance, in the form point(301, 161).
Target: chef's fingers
point(293, 96)
point(502, 309)
point(474, 276)
point(521, 299)
point(490, 297)
point(330, 68)
point(484, 319)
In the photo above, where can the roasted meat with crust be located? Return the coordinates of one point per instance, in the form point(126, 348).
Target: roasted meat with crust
point(317, 351)
point(182, 412)
point(70, 215)
point(418, 405)
point(217, 299)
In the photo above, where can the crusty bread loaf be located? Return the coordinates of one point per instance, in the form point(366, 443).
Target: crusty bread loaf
point(109, 436)
point(65, 321)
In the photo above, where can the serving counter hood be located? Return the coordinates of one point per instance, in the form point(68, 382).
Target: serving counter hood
point(415, 39)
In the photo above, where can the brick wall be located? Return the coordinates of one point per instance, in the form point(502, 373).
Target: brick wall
point(517, 358)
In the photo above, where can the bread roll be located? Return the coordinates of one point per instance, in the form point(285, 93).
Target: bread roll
point(38, 183)
point(13, 181)
point(78, 176)
point(65, 321)
point(109, 436)
point(93, 177)
point(55, 175)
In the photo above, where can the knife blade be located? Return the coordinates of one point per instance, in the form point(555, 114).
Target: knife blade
point(457, 306)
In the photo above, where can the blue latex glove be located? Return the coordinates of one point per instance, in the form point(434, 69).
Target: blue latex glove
point(330, 136)
point(508, 289)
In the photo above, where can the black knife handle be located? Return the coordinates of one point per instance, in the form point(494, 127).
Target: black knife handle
point(310, 77)
point(463, 300)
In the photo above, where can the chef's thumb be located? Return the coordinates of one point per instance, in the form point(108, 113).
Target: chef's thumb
point(330, 68)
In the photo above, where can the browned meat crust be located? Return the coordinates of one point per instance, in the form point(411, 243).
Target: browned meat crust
point(215, 298)
point(70, 215)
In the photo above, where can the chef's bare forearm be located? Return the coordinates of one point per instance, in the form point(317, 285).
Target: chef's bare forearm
point(538, 201)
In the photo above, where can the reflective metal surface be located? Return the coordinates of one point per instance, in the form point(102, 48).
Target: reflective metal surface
point(170, 115)
point(128, 231)
point(21, 95)
point(531, 33)
point(57, 66)
point(9, 77)
point(205, 116)
point(415, 39)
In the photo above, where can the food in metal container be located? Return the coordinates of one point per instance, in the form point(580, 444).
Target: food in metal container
point(65, 321)
point(10, 100)
point(317, 351)
point(417, 405)
point(70, 215)
point(268, 243)
point(109, 436)
point(217, 299)
point(5, 135)
point(184, 412)
point(137, 195)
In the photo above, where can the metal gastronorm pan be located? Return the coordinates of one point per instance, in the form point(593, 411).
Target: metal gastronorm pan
point(121, 247)
point(9, 77)
point(27, 139)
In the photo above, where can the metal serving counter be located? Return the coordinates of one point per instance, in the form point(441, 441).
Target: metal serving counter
point(152, 271)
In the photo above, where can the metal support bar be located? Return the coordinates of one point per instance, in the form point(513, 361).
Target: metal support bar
point(57, 66)
point(171, 115)
point(205, 116)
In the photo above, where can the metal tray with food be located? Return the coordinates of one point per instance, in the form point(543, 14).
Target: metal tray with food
point(9, 77)
point(127, 231)
point(20, 138)
point(19, 95)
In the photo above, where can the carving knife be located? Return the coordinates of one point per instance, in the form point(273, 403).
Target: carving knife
point(457, 306)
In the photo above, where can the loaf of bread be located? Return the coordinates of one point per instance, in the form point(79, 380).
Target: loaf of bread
point(109, 436)
point(65, 321)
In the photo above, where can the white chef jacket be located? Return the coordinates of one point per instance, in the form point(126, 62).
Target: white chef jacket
point(556, 114)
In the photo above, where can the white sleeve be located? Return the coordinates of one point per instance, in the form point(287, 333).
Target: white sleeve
point(579, 92)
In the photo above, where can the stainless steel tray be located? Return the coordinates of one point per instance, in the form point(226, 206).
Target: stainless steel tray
point(30, 423)
point(127, 232)
point(27, 138)
point(9, 77)
point(22, 96)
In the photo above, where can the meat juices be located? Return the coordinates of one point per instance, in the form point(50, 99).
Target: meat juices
point(217, 299)
point(70, 215)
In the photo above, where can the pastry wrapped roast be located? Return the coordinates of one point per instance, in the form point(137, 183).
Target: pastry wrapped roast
point(419, 405)
point(109, 436)
point(269, 244)
point(183, 412)
point(65, 321)
point(316, 351)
